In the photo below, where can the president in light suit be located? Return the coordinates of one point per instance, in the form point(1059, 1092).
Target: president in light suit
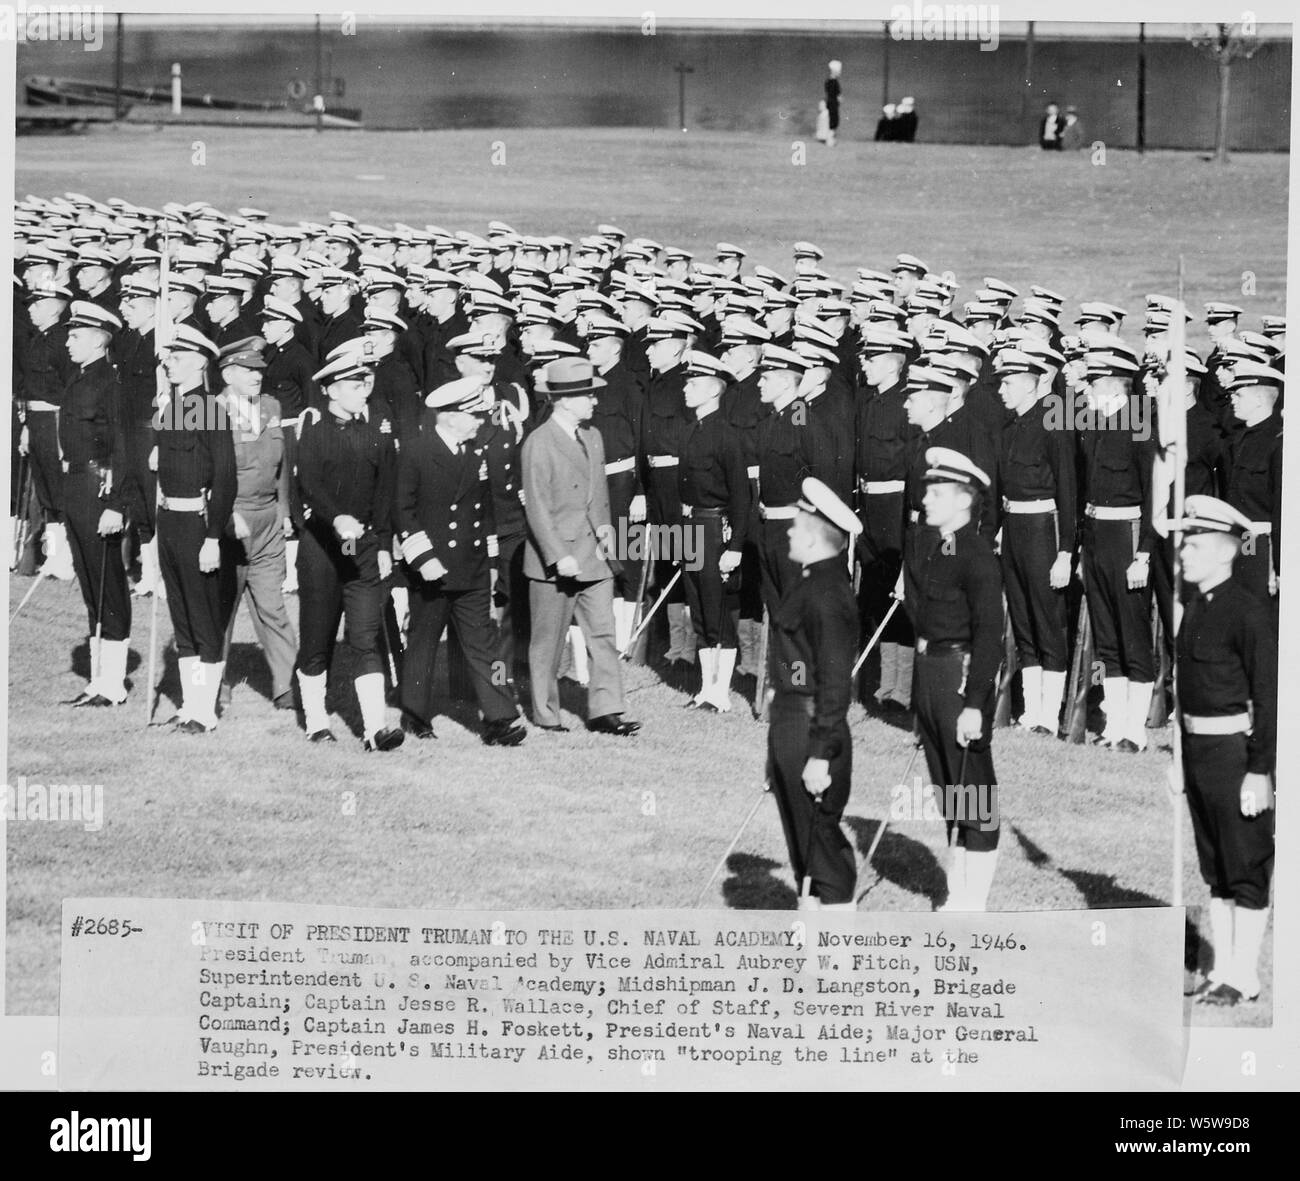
point(566, 500)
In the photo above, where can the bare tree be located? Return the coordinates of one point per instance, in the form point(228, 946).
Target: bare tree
point(1226, 44)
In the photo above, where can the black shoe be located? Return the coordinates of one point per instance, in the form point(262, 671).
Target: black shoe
point(284, 701)
point(321, 736)
point(94, 700)
point(223, 696)
point(1127, 746)
point(613, 724)
point(693, 704)
point(1102, 740)
point(556, 729)
point(707, 707)
point(389, 738)
point(193, 726)
point(503, 733)
point(416, 727)
point(1200, 990)
point(1222, 995)
point(1043, 730)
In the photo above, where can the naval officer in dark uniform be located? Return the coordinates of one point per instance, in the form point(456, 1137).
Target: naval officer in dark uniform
point(197, 482)
point(809, 748)
point(1227, 686)
point(347, 468)
point(447, 525)
point(95, 479)
point(714, 488)
point(953, 592)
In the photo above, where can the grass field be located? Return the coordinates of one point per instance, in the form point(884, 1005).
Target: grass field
point(254, 812)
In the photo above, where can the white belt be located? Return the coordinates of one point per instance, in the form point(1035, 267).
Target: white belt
point(752, 472)
point(1101, 512)
point(778, 512)
point(883, 487)
point(663, 461)
point(35, 405)
point(184, 504)
point(1028, 506)
point(1227, 724)
point(620, 465)
point(1261, 527)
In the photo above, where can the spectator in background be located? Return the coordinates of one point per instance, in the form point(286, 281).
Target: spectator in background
point(1050, 128)
point(886, 125)
point(833, 98)
point(1072, 134)
point(823, 134)
point(905, 123)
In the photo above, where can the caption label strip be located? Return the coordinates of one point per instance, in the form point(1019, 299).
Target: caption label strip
point(173, 994)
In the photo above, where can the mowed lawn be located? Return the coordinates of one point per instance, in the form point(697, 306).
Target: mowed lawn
point(255, 812)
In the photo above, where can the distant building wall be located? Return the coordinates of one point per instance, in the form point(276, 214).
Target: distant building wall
point(744, 81)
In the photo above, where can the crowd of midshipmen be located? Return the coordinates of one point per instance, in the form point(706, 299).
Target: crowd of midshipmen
point(812, 377)
point(755, 450)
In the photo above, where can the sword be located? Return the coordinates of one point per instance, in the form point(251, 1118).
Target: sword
point(663, 595)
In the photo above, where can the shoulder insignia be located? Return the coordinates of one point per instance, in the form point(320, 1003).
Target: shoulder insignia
point(385, 427)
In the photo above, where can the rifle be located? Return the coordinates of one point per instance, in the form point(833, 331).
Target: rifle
point(161, 336)
point(760, 674)
point(1010, 665)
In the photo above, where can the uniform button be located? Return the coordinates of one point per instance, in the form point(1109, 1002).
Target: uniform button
point(477, 506)
point(507, 467)
point(476, 524)
point(509, 487)
point(451, 544)
point(477, 544)
point(453, 508)
point(452, 525)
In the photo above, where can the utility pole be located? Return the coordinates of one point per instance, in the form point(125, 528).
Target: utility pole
point(319, 101)
point(884, 69)
point(1142, 90)
point(681, 70)
point(1026, 93)
point(117, 72)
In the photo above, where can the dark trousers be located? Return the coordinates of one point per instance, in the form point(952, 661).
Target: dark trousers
point(709, 595)
point(144, 501)
point(1235, 852)
point(1121, 618)
point(817, 845)
point(1038, 621)
point(95, 557)
point(199, 603)
point(664, 507)
point(511, 647)
point(333, 585)
point(776, 571)
point(965, 776)
point(881, 555)
point(468, 612)
point(47, 469)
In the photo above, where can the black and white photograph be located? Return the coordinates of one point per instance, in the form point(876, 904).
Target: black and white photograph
point(818, 468)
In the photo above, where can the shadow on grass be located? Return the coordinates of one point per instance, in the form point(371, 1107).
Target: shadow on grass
point(899, 859)
point(753, 884)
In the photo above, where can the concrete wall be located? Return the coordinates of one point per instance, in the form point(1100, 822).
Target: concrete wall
point(766, 82)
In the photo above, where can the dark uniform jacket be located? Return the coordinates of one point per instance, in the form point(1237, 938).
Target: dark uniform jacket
point(90, 428)
point(444, 509)
point(953, 592)
point(287, 378)
point(196, 454)
point(1117, 466)
point(346, 467)
point(1227, 660)
point(814, 634)
point(1037, 463)
point(712, 473)
point(1254, 484)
